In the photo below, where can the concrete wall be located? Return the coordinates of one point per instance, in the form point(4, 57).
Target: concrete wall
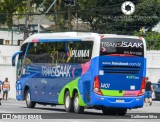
point(6, 70)
point(153, 65)
point(11, 36)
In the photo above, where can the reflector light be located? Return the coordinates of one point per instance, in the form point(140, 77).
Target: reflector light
point(143, 86)
point(96, 86)
point(102, 36)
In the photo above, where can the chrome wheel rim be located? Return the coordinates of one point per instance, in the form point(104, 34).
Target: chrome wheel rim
point(28, 98)
point(67, 101)
point(76, 103)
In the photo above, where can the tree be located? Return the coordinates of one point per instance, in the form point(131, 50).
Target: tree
point(59, 14)
point(105, 16)
point(10, 7)
point(152, 40)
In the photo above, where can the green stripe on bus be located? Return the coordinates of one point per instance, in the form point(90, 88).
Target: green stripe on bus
point(71, 86)
point(112, 93)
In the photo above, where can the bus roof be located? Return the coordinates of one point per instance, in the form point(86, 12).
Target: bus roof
point(118, 36)
point(75, 35)
point(61, 35)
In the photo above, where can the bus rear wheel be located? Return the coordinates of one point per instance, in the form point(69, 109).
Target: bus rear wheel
point(109, 111)
point(68, 102)
point(29, 103)
point(122, 111)
point(77, 109)
point(114, 111)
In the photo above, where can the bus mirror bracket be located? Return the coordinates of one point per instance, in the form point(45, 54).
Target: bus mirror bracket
point(14, 58)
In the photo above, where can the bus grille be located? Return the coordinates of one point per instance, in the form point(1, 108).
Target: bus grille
point(121, 69)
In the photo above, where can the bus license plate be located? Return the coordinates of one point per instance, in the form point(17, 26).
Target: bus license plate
point(120, 101)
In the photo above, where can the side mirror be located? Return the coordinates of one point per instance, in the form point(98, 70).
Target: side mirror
point(13, 61)
point(14, 58)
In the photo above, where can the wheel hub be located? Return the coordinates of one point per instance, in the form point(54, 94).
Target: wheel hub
point(76, 102)
point(67, 101)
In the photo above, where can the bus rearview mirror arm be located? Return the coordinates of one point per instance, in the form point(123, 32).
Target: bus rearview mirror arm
point(14, 58)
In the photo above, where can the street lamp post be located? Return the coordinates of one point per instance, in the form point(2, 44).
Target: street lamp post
point(69, 18)
point(27, 20)
point(69, 3)
point(12, 36)
point(44, 14)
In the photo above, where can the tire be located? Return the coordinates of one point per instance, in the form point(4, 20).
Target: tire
point(77, 109)
point(29, 103)
point(68, 102)
point(122, 112)
point(109, 111)
point(106, 112)
point(114, 111)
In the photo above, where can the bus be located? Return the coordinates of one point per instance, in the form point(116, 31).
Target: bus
point(82, 70)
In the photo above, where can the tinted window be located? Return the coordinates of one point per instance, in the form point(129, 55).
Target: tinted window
point(60, 52)
point(23, 49)
point(121, 46)
point(20, 59)
point(38, 53)
point(79, 52)
point(156, 86)
point(1, 41)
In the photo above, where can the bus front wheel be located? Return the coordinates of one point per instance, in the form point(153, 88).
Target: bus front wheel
point(68, 102)
point(77, 109)
point(29, 103)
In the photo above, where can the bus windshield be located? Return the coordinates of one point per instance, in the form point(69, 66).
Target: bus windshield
point(122, 46)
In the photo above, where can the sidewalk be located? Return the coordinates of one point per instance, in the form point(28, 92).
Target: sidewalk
point(10, 100)
point(154, 108)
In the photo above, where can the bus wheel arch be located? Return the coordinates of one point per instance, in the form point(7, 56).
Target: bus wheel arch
point(27, 95)
point(74, 92)
point(68, 101)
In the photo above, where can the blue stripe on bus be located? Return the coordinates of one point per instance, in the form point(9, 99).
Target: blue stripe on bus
point(144, 72)
point(58, 40)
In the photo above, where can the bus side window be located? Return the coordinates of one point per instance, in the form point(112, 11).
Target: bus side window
point(81, 51)
point(21, 59)
point(87, 47)
point(20, 63)
point(59, 52)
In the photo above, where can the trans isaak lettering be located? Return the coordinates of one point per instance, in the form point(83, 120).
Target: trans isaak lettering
point(122, 44)
point(56, 71)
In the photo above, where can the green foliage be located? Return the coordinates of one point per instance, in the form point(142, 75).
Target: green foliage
point(7, 8)
point(10, 7)
point(105, 16)
point(152, 40)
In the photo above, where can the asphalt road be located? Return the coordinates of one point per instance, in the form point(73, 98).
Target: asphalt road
point(17, 110)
